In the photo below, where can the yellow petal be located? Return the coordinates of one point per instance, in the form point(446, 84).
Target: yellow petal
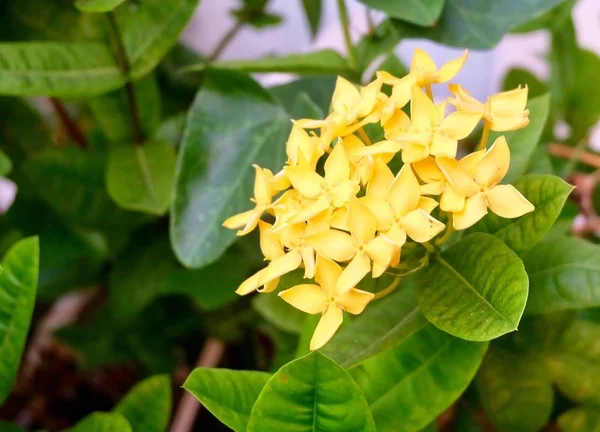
point(380, 148)
point(421, 227)
point(318, 224)
point(280, 182)
point(269, 243)
point(396, 235)
point(457, 176)
point(512, 101)
point(352, 144)
point(397, 121)
point(368, 96)
point(328, 325)
point(470, 161)
point(381, 251)
point(337, 165)
point(355, 301)
point(335, 245)
point(345, 96)
point(506, 201)
point(401, 93)
point(414, 153)
point(386, 77)
point(308, 258)
point(475, 208)
point(428, 171)
point(443, 146)
point(361, 222)
point(404, 192)
point(441, 109)
point(308, 298)
point(435, 188)
point(493, 166)
point(381, 210)
point(282, 265)
point(262, 189)
point(339, 219)
point(450, 69)
point(250, 284)
point(422, 65)
point(423, 112)
point(427, 204)
point(327, 274)
point(464, 101)
point(460, 124)
point(451, 201)
point(252, 223)
point(342, 193)
point(269, 286)
point(305, 181)
point(240, 219)
point(359, 267)
point(380, 181)
point(311, 210)
point(504, 124)
point(298, 141)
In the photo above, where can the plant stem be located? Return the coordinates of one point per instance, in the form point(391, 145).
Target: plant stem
point(224, 42)
point(449, 230)
point(389, 289)
point(429, 91)
point(343, 11)
point(364, 136)
point(136, 128)
point(484, 136)
point(429, 248)
point(73, 128)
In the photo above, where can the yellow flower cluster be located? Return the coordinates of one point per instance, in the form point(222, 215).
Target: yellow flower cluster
point(355, 210)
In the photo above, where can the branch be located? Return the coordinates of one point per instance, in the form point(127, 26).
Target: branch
point(567, 152)
point(224, 42)
point(72, 128)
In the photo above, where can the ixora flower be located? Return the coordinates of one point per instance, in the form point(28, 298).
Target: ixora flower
point(339, 211)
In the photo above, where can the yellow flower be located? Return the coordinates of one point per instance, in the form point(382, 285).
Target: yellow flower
point(436, 183)
point(485, 171)
point(263, 195)
point(502, 112)
point(401, 91)
point(427, 73)
point(432, 133)
point(363, 157)
point(327, 300)
point(303, 149)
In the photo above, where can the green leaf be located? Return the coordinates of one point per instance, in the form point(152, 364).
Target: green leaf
point(563, 274)
point(523, 142)
point(54, 69)
point(141, 177)
point(548, 194)
point(72, 183)
point(98, 6)
point(18, 284)
point(581, 419)
point(382, 325)
point(5, 164)
point(318, 88)
point(102, 422)
point(540, 162)
point(147, 406)
point(311, 393)
point(153, 30)
point(232, 124)
point(393, 65)
point(171, 130)
point(111, 111)
point(408, 386)
point(522, 77)
point(313, 10)
point(516, 391)
point(313, 63)
point(575, 362)
point(475, 290)
point(419, 12)
point(9, 427)
point(228, 394)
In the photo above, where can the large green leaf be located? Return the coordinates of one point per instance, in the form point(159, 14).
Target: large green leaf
point(5, 164)
point(141, 177)
point(548, 194)
point(312, 10)
point(53, 69)
point(147, 406)
point(18, 284)
point(228, 394)
point(409, 385)
point(516, 390)
point(476, 289)
point(563, 274)
point(523, 142)
point(9, 427)
point(575, 362)
point(582, 419)
point(232, 124)
point(98, 6)
point(71, 182)
point(102, 422)
point(311, 393)
point(153, 30)
point(420, 12)
point(522, 77)
point(314, 63)
point(318, 88)
point(382, 325)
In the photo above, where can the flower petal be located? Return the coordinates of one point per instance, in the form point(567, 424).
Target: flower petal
point(450, 69)
point(345, 96)
point(397, 235)
point(239, 220)
point(337, 165)
point(381, 210)
point(269, 243)
point(493, 166)
point(442, 145)
point(262, 188)
point(308, 298)
point(335, 245)
point(250, 284)
point(311, 210)
point(506, 201)
point(381, 180)
point(422, 63)
point(451, 201)
point(414, 152)
point(381, 251)
point(282, 265)
point(361, 222)
point(423, 112)
point(428, 171)
point(305, 181)
point(328, 325)
point(355, 300)
point(327, 274)
point(427, 204)
point(421, 227)
point(359, 267)
point(457, 176)
point(475, 208)
point(368, 98)
point(405, 191)
point(308, 258)
point(460, 124)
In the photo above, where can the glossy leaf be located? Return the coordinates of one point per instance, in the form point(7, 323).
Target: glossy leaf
point(147, 406)
point(516, 391)
point(141, 177)
point(313, 10)
point(522, 77)
point(18, 284)
point(408, 386)
point(232, 124)
point(475, 290)
point(581, 419)
point(318, 88)
point(311, 393)
point(102, 422)
point(228, 394)
point(5, 164)
point(523, 142)
point(548, 194)
point(98, 6)
point(419, 12)
point(72, 183)
point(314, 63)
point(563, 274)
point(53, 69)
